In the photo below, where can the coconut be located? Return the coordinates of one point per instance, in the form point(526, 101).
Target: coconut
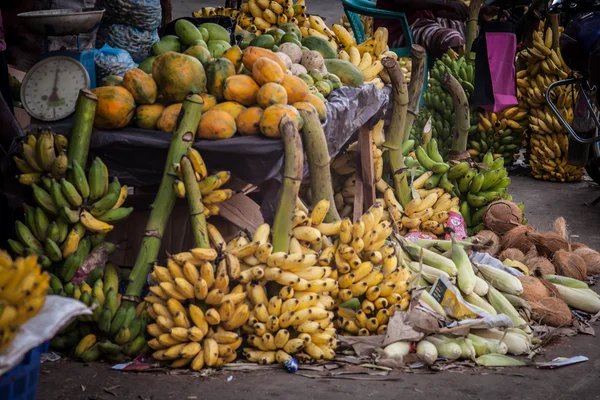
point(535, 288)
point(532, 253)
point(560, 228)
point(548, 243)
point(569, 264)
point(578, 245)
point(541, 264)
point(551, 311)
point(517, 238)
point(591, 258)
point(502, 216)
point(489, 241)
point(513, 254)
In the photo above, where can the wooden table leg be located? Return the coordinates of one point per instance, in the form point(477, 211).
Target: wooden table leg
point(167, 12)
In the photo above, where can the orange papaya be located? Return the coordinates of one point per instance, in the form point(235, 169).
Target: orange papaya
point(216, 124)
point(216, 73)
point(269, 123)
point(242, 89)
point(115, 107)
point(147, 116)
point(248, 121)
point(271, 93)
point(168, 118)
point(141, 86)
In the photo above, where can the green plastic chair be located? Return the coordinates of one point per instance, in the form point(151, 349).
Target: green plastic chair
point(355, 8)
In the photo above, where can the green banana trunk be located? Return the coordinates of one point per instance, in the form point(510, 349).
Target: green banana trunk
point(194, 198)
point(293, 167)
point(415, 87)
point(463, 119)
point(79, 143)
point(183, 137)
point(471, 34)
point(317, 155)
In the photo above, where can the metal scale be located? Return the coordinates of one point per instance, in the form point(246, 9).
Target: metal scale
point(50, 89)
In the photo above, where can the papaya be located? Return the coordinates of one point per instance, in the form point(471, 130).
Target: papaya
point(266, 70)
point(269, 123)
point(147, 116)
point(271, 93)
point(217, 71)
point(248, 121)
point(166, 44)
point(178, 75)
point(319, 44)
point(349, 74)
point(168, 118)
point(319, 106)
point(214, 31)
point(241, 89)
point(115, 107)
point(187, 32)
point(217, 48)
point(296, 88)
point(146, 65)
point(141, 86)
point(251, 54)
point(199, 52)
point(234, 54)
point(209, 101)
point(216, 124)
point(112, 80)
point(246, 40)
point(230, 107)
point(304, 105)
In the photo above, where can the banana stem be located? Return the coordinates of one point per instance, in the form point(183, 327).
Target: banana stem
point(461, 109)
point(415, 88)
point(474, 8)
point(319, 169)
point(183, 137)
point(194, 198)
point(79, 143)
point(395, 134)
point(293, 168)
point(555, 31)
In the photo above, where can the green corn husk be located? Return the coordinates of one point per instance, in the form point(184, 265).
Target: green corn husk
point(431, 302)
point(466, 276)
point(498, 360)
point(487, 346)
point(501, 280)
point(478, 301)
point(518, 342)
point(443, 245)
point(446, 349)
point(581, 299)
point(565, 281)
point(427, 352)
point(503, 306)
point(481, 286)
point(428, 273)
point(430, 258)
point(466, 345)
point(516, 301)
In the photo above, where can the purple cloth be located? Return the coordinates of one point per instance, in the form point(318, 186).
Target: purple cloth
point(501, 49)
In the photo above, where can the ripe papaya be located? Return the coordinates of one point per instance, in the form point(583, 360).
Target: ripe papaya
point(168, 118)
point(230, 107)
point(234, 54)
point(248, 121)
point(178, 75)
point(241, 88)
point(147, 116)
point(115, 107)
point(349, 74)
point(209, 101)
point(112, 80)
point(216, 124)
point(141, 86)
point(251, 54)
point(296, 88)
point(319, 106)
point(271, 93)
point(269, 123)
point(266, 70)
point(217, 71)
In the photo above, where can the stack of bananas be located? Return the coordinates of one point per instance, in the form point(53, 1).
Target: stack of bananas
point(259, 16)
point(369, 275)
point(23, 288)
point(67, 208)
point(209, 185)
point(214, 11)
point(195, 307)
point(42, 157)
point(367, 56)
point(500, 133)
point(548, 141)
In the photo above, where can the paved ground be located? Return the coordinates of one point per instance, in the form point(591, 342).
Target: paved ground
point(544, 201)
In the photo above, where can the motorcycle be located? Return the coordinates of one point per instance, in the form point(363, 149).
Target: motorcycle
point(580, 48)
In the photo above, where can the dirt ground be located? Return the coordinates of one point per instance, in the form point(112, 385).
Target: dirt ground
point(544, 201)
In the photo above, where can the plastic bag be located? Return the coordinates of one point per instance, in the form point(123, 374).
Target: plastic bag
point(137, 43)
point(145, 15)
point(111, 61)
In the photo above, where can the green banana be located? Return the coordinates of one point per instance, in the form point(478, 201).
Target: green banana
point(116, 214)
point(105, 320)
point(105, 175)
point(408, 161)
point(55, 283)
point(433, 181)
point(97, 238)
point(135, 347)
point(112, 301)
point(86, 298)
point(53, 233)
point(498, 163)
point(490, 179)
point(41, 223)
point(27, 239)
point(111, 279)
point(477, 216)
point(109, 348)
point(98, 179)
point(137, 327)
point(57, 196)
point(63, 230)
point(407, 147)
point(52, 250)
point(94, 275)
point(458, 170)
point(70, 267)
point(118, 320)
point(501, 184)
point(44, 261)
point(44, 200)
point(115, 186)
point(104, 204)
point(97, 308)
point(465, 181)
point(91, 354)
point(69, 216)
point(44, 150)
point(70, 193)
point(119, 358)
point(69, 289)
point(80, 180)
point(16, 247)
point(46, 182)
point(446, 184)
point(476, 201)
point(432, 151)
point(30, 220)
point(465, 212)
point(424, 159)
point(123, 336)
point(477, 183)
point(491, 196)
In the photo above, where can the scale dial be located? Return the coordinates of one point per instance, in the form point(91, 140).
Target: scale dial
point(50, 89)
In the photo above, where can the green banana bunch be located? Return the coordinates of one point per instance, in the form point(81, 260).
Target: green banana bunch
point(42, 155)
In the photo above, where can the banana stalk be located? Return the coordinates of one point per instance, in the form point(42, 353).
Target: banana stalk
point(79, 143)
point(393, 141)
point(554, 21)
point(317, 155)
point(474, 8)
point(415, 87)
point(293, 168)
point(194, 198)
point(461, 110)
point(183, 137)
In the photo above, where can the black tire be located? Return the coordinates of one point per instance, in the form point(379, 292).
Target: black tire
point(593, 166)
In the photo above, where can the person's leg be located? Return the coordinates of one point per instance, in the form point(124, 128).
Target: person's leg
point(4, 81)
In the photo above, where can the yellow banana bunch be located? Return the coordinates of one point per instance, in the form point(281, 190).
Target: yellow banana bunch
point(43, 155)
point(212, 11)
point(259, 16)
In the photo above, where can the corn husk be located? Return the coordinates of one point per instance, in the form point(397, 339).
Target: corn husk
point(513, 254)
point(591, 258)
point(477, 301)
point(498, 360)
point(431, 302)
point(466, 346)
point(430, 258)
point(569, 265)
point(427, 352)
point(551, 311)
point(446, 349)
point(428, 273)
point(441, 245)
point(517, 341)
point(481, 286)
point(503, 306)
point(517, 238)
point(563, 280)
point(580, 299)
point(516, 301)
point(501, 280)
point(397, 350)
point(487, 346)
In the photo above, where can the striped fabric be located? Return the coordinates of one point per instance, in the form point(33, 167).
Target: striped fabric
point(436, 35)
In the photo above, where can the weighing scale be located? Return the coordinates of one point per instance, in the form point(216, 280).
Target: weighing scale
point(50, 89)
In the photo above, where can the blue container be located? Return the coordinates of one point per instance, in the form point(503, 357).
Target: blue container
point(20, 383)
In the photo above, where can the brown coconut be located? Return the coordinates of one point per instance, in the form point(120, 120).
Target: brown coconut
point(560, 228)
point(541, 264)
point(512, 254)
point(551, 311)
point(517, 238)
point(548, 243)
point(591, 258)
point(502, 216)
point(532, 253)
point(489, 242)
point(578, 245)
point(536, 289)
point(569, 264)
